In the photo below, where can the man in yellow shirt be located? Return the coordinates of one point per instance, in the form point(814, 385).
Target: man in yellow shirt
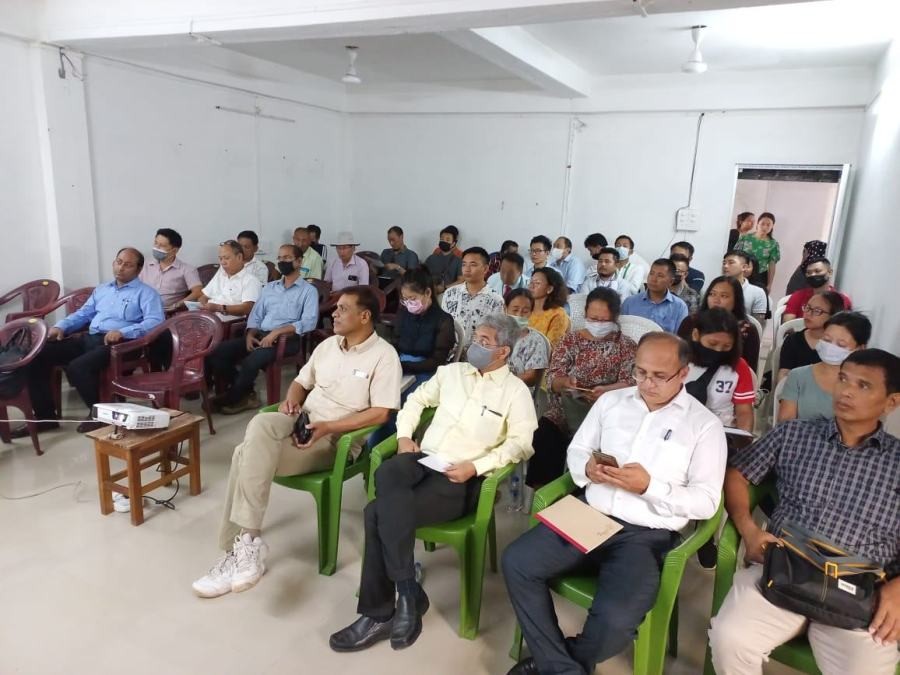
point(311, 266)
point(484, 420)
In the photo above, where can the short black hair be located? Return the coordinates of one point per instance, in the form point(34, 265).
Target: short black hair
point(816, 259)
point(542, 240)
point(766, 214)
point(630, 240)
point(679, 257)
point(506, 245)
point(140, 256)
point(396, 230)
point(477, 250)
point(739, 311)
point(419, 279)
point(515, 259)
point(452, 230)
point(856, 323)
point(314, 229)
point(718, 320)
point(603, 294)
point(835, 301)
point(566, 241)
point(743, 215)
point(609, 249)
point(519, 293)
point(249, 234)
point(595, 239)
point(743, 255)
point(879, 358)
point(366, 299)
point(683, 244)
point(668, 264)
point(171, 236)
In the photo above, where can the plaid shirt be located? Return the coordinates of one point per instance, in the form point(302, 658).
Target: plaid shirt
point(848, 495)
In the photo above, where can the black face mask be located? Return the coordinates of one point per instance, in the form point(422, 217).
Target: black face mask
point(445, 246)
point(285, 267)
point(817, 280)
point(677, 280)
point(708, 358)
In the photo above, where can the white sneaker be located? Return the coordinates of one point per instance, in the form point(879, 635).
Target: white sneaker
point(250, 562)
point(121, 503)
point(217, 581)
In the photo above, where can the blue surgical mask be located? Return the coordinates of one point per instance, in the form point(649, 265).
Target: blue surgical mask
point(522, 321)
point(159, 254)
point(480, 357)
point(624, 253)
point(831, 353)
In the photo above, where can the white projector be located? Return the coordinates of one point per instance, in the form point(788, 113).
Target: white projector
point(130, 416)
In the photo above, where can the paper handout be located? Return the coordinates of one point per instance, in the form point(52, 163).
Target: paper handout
point(435, 462)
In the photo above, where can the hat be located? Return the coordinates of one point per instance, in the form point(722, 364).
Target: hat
point(345, 239)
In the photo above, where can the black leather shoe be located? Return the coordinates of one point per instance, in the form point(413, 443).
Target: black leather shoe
point(359, 635)
point(526, 667)
point(408, 619)
point(22, 431)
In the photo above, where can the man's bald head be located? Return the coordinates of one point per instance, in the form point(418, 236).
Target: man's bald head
point(128, 264)
point(660, 367)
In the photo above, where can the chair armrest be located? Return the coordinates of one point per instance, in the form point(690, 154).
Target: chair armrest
point(550, 493)
point(488, 494)
point(388, 448)
point(38, 313)
point(117, 351)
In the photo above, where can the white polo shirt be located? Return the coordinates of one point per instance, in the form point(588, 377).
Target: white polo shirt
point(233, 290)
point(258, 269)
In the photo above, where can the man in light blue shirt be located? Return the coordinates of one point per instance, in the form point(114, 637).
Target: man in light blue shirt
point(657, 303)
point(123, 309)
point(568, 265)
point(290, 307)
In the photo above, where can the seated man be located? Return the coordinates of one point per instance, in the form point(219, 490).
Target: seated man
point(605, 275)
point(315, 234)
point(123, 309)
point(346, 268)
point(510, 276)
point(680, 285)
point(658, 303)
point(695, 278)
point(484, 420)
point(538, 254)
point(737, 264)
point(569, 265)
point(593, 243)
point(839, 479)
point(445, 262)
point(672, 455)
point(397, 258)
point(818, 273)
point(469, 302)
point(289, 306)
point(631, 266)
point(233, 289)
point(351, 381)
point(494, 260)
point(311, 265)
point(174, 279)
point(250, 245)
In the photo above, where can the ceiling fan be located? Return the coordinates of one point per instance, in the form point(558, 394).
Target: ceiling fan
point(351, 76)
point(695, 64)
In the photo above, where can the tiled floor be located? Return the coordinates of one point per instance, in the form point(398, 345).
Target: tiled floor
point(86, 593)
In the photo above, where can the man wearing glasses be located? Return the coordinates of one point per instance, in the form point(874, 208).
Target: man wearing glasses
point(671, 453)
point(538, 253)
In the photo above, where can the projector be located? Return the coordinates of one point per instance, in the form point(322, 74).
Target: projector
point(130, 416)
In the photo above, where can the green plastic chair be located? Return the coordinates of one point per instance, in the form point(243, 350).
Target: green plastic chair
point(327, 488)
point(795, 653)
point(660, 626)
point(469, 536)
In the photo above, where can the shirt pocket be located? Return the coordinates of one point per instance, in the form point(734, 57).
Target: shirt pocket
point(670, 461)
point(347, 389)
point(131, 310)
point(482, 423)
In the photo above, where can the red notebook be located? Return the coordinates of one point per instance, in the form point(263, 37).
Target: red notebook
point(580, 524)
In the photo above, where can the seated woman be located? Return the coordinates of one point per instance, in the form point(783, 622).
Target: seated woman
point(550, 294)
point(531, 355)
point(799, 349)
point(726, 292)
point(719, 378)
point(807, 390)
point(586, 364)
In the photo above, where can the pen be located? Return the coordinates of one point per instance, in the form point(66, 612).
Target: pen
point(493, 412)
point(667, 435)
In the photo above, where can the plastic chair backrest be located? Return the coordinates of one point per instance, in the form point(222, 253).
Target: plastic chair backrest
point(194, 336)
point(753, 321)
point(274, 274)
point(777, 314)
point(38, 330)
point(207, 272)
point(576, 310)
point(775, 402)
point(783, 331)
point(460, 336)
point(635, 327)
point(35, 294)
point(321, 288)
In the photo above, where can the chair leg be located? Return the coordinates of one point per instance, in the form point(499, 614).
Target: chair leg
point(492, 543)
point(429, 546)
point(650, 645)
point(333, 530)
point(321, 497)
point(473, 585)
point(515, 652)
point(673, 632)
point(207, 408)
point(273, 383)
point(4, 425)
point(33, 432)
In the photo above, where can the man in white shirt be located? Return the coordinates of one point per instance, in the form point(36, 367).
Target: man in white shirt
point(250, 245)
point(737, 264)
point(568, 265)
point(469, 302)
point(605, 275)
point(233, 289)
point(510, 276)
point(671, 454)
point(631, 267)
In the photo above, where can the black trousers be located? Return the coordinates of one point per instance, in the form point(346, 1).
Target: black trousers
point(85, 358)
point(627, 567)
point(409, 496)
point(222, 363)
point(549, 460)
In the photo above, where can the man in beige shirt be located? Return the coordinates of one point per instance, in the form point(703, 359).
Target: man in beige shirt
point(484, 420)
point(311, 266)
point(351, 381)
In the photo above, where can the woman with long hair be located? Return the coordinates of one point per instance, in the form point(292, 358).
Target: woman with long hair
point(550, 294)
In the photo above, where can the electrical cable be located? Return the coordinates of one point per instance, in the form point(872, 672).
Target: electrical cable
point(76, 483)
point(665, 251)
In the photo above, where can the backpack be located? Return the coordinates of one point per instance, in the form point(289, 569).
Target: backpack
point(15, 349)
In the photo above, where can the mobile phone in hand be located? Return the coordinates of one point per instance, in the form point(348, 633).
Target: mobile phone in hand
point(301, 433)
point(605, 460)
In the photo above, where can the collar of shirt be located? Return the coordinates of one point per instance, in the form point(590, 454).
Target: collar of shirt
point(464, 288)
point(354, 260)
point(669, 297)
point(682, 400)
point(176, 265)
point(363, 346)
point(874, 441)
point(244, 270)
point(134, 283)
point(498, 375)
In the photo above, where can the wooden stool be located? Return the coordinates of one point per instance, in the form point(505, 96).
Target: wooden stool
point(134, 448)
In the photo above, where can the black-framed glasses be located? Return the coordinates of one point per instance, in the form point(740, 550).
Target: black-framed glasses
point(815, 311)
point(641, 375)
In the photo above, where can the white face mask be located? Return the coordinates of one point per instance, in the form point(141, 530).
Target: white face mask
point(624, 253)
point(600, 329)
point(831, 353)
point(556, 253)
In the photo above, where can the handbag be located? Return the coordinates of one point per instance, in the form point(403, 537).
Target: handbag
point(810, 575)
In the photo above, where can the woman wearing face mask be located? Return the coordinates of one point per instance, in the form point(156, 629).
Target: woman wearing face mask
point(799, 349)
point(531, 355)
point(725, 293)
point(762, 246)
point(586, 364)
point(719, 378)
point(807, 390)
point(550, 293)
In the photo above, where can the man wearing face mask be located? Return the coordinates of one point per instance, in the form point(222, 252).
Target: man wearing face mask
point(174, 279)
point(445, 262)
point(605, 275)
point(484, 420)
point(287, 307)
point(631, 267)
point(568, 265)
point(680, 287)
point(818, 278)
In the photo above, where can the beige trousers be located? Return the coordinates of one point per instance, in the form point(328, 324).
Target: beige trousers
point(748, 627)
point(267, 451)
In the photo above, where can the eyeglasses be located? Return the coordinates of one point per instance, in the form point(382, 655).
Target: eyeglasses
point(815, 311)
point(484, 343)
point(538, 250)
point(641, 375)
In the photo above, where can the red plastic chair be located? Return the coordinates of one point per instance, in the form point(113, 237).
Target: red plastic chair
point(72, 302)
point(22, 400)
point(194, 336)
point(35, 294)
point(207, 272)
point(274, 369)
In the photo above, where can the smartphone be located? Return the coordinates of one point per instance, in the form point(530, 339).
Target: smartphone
point(301, 433)
point(605, 460)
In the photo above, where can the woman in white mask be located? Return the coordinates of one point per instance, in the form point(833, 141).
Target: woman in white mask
point(807, 390)
point(531, 355)
point(584, 365)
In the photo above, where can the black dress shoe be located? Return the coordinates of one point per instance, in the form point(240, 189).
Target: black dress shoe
point(408, 619)
point(359, 635)
point(526, 667)
point(22, 431)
